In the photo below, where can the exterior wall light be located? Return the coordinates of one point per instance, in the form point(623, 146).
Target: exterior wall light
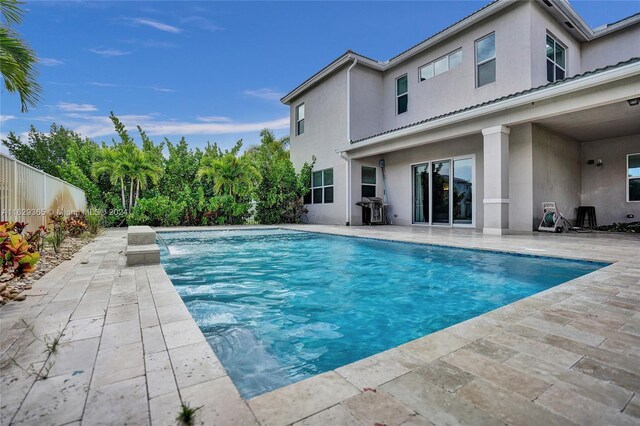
point(634, 101)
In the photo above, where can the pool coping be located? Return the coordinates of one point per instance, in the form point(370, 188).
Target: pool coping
point(603, 258)
point(309, 397)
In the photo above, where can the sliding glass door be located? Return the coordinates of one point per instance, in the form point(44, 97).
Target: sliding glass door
point(441, 171)
point(463, 191)
point(421, 193)
point(443, 192)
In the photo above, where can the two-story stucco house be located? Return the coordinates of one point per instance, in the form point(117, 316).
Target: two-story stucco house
point(517, 104)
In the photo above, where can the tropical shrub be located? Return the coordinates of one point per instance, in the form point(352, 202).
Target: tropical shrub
point(17, 256)
point(281, 190)
point(224, 210)
point(136, 184)
point(37, 237)
point(93, 219)
point(156, 211)
point(56, 231)
point(75, 224)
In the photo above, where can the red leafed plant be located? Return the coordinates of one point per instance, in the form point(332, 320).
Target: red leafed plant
point(17, 256)
point(36, 238)
point(76, 224)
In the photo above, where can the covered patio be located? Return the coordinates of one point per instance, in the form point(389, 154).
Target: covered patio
point(565, 142)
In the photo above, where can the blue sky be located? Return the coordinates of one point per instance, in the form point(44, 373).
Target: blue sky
point(208, 70)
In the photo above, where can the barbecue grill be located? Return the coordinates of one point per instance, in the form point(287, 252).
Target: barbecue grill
point(373, 210)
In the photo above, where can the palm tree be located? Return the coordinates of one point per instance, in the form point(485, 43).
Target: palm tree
point(270, 148)
point(17, 59)
point(235, 176)
point(112, 163)
point(143, 167)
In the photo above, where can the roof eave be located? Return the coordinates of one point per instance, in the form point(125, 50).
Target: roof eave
point(569, 13)
point(451, 31)
point(328, 70)
point(628, 22)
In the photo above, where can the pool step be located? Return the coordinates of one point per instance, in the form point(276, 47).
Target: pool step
point(141, 246)
point(140, 235)
point(148, 254)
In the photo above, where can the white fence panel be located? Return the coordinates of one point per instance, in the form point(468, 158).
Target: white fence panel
point(30, 195)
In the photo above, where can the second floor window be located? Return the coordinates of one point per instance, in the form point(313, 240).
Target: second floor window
point(322, 186)
point(556, 59)
point(446, 63)
point(402, 97)
point(486, 60)
point(300, 119)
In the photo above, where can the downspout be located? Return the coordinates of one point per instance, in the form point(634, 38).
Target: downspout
point(347, 180)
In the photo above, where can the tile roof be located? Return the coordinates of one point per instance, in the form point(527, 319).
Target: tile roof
point(503, 98)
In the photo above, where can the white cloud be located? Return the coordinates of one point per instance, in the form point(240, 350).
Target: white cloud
point(109, 53)
point(50, 62)
point(4, 118)
point(96, 125)
point(265, 93)
point(214, 119)
point(127, 86)
point(202, 23)
point(156, 44)
point(73, 107)
point(157, 25)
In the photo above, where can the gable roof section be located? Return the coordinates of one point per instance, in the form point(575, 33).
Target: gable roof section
point(561, 10)
point(504, 98)
point(333, 65)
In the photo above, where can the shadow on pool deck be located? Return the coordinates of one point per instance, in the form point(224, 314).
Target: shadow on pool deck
point(131, 353)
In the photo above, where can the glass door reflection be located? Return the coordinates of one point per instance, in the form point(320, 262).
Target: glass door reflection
point(440, 175)
point(421, 193)
point(462, 191)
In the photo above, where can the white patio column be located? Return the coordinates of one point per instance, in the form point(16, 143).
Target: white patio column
point(496, 180)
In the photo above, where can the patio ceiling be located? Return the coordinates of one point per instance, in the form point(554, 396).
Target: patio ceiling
point(608, 121)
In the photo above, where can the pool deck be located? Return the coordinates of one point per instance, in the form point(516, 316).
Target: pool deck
point(130, 353)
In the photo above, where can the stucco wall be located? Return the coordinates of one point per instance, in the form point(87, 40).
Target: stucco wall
point(456, 88)
point(325, 129)
point(399, 174)
point(520, 178)
point(605, 187)
point(611, 49)
point(366, 105)
point(556, 173)
point(541, 24)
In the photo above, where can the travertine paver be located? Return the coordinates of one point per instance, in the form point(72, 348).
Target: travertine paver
point(130, 353)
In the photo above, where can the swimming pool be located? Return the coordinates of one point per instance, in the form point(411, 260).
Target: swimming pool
point(278, 306)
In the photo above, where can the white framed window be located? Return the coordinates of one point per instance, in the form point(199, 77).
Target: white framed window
point(440, 65)
point(402, 95)
point(322, 186)
point(556, 60)
point(633, 177)
point(486, 60)
point(369, 181)
point(300, 119)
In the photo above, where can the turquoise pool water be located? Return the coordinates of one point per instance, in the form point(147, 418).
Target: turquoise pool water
point(279, 306)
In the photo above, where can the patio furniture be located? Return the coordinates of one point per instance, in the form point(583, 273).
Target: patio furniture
point(589, 213)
